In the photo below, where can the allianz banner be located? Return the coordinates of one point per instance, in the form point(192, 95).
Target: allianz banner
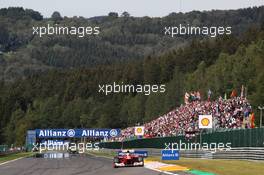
point(77, 133)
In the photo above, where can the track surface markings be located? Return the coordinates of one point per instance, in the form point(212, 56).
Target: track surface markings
point(163, 167)
point(11, 160)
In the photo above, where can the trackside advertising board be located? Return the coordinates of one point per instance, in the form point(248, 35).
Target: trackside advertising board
point(170, 154)
point(205, 121)
point(139, 130)
point(77, 133)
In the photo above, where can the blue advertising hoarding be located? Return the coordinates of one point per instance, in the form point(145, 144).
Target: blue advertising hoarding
point(55, 142)
point(31, 137)
point(170, 154)
point(77, 133)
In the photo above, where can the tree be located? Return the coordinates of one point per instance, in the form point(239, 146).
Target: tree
point(56, 16)
point(34, 14)
point(113, 14)
point(4, 37)
point(125, 14)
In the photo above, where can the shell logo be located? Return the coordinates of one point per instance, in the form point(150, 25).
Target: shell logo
point(205, 121)
point(139, 130)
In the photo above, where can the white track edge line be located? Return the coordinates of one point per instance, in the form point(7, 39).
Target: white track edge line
point(11, 161)
point(165, 172)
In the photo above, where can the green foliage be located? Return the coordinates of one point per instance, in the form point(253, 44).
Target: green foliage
point(52, 82)
point(56, 16)
point(20, 13)
point(121, 39)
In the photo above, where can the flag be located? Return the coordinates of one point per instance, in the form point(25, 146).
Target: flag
point(242, 95)
point(205, 121)
point(252, 120)
point(198, 95)
point(209, 94)
point(233, 94)
point(186, 98)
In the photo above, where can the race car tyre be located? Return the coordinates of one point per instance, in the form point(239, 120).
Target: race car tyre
point(116, 160)
point(140, 159)
point(114, 166)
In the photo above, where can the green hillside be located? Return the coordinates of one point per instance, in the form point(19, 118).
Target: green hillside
point(52, 82)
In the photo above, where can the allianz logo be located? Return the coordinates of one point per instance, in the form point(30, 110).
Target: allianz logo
point(54, 133)
point(79, 133)
point(99, 133)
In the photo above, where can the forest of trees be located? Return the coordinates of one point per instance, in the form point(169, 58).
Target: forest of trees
point(52, 82)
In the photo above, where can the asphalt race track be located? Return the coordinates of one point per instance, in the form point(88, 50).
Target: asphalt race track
point(75, 165)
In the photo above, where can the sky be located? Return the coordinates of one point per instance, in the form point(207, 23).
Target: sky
point(152, 8)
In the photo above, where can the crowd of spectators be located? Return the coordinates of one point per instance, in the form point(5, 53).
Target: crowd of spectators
point(226, 113)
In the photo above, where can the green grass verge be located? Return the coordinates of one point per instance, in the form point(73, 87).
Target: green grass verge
point(15, 156)
point(219, 167)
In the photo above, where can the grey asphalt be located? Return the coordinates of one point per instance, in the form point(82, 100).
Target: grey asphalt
point(75, 165)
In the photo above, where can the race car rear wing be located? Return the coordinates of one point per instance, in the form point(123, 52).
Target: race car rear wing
point(141, 153)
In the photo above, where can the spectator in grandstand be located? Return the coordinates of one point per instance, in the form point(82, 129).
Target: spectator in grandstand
point(231, 113)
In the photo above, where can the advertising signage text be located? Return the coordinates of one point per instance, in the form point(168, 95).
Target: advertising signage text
point(77, 133)
point(170, 154)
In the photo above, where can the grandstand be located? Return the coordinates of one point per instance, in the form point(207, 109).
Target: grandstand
point(234, 113)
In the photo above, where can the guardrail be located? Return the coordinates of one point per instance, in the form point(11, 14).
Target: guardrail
point(248, 153)
point(8, 152)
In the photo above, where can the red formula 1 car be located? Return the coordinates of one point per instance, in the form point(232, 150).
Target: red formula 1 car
point(128, 158)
